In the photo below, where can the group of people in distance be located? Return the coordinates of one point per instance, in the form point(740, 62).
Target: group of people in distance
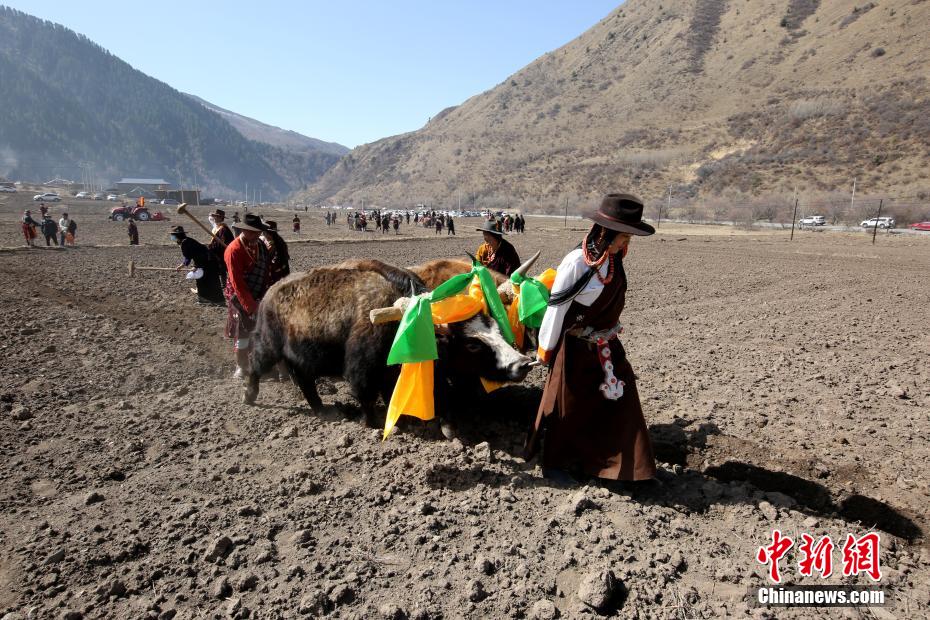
point(59, 233)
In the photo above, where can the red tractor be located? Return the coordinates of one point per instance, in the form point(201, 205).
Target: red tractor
point(136, 212)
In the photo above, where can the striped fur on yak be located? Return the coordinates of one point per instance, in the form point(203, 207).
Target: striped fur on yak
point(317, 323)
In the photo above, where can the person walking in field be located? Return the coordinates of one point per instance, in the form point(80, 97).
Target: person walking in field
point(278, 254)
point(29, 226)
point(450, 226)
point(133, 232)
point(49, 230)
point(248, 267)
point(222, 237)
point(63, 224)
point(296, 225)
point(72, 232)
point(395, 222)
point(438, 225)
point(590, 421)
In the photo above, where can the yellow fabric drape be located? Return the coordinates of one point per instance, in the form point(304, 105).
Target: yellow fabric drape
point(547, 278)
point(413, 394)
point(513, 316)
point(455, 308)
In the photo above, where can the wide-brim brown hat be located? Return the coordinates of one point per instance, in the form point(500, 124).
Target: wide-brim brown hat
point(490, 227)
point(251, 222)
point(621, 212)
point(219, 213)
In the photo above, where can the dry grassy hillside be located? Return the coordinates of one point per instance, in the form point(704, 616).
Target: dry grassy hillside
point(708, 96)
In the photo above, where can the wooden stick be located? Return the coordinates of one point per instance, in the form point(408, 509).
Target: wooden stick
point(133, 268)
point(182, 208)
point(385, 315)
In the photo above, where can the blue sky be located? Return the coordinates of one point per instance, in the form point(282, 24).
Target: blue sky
point(348, 72)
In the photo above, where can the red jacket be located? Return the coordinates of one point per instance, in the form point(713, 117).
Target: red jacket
point(238, 263)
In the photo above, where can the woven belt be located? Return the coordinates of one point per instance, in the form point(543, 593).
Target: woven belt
point(590, 335)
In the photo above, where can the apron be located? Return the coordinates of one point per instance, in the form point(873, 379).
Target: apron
point(576, 425)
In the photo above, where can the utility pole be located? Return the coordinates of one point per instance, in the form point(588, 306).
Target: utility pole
point(565, 218)
point(668, 209)
point(875, 228)
point(852, 201)
point(794, 218)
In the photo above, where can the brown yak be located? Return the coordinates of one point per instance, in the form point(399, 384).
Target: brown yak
point(317, 323)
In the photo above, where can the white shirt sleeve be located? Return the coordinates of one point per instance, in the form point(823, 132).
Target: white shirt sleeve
point(572, 268)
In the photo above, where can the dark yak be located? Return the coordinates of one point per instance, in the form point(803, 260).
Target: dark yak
point(318, 324)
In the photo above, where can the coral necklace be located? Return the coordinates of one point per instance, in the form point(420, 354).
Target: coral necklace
point(596, 263)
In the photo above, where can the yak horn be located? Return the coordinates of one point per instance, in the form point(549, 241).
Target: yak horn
point(505, 288)
point(522, 269)
point(471, 256)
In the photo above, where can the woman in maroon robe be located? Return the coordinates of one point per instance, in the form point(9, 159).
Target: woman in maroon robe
point(590, 420)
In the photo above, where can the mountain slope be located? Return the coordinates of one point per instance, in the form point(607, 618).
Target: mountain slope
point(66, 102)
point(274, 136)
point(707, 96)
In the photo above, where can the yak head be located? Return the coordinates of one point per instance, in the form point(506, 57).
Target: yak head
point(476, 346)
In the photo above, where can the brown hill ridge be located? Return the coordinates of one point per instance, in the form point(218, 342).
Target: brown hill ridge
point(708, 96)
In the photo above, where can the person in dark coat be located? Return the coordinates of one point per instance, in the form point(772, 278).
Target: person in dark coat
point(590, 421)
point(496, 252)
point(450, 226)
point(49, 230)
point(278, 253)
point(209, 288)
point(222, 237)
point(133, 231)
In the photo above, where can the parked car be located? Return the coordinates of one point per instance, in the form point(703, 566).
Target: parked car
point(813, 220)
point(113, 198)
point(82, 195)
point(97, 197)
point(921, 226)
point(883, 222)
point(170, 202)
point(47, 197)
point(7, 189)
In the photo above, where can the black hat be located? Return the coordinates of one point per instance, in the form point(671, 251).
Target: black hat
point(219, 213)
point(179, 231)
point(621, 212)
point(251, 222)
point(490, 227)
point(272, 225)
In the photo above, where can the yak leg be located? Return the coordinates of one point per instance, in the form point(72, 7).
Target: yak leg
point(444, 404)
point(307, 385)
point(364, 371)
point(264, 357)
